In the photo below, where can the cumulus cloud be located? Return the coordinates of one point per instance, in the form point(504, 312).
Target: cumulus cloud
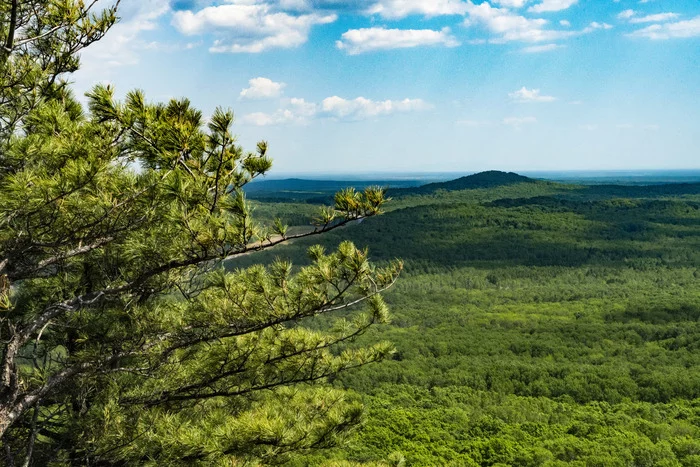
point(626, 14)
point(552, 5)
point(266, 119)
point(674, 30)
point(361, 108)
point(530, 95)
point(262, 88)
point(123, 44)
point(303, 109)
point(656, 18)
point(357, 41)
point(632, 17)
point(299, 111)
point(249, 26)
point(511, 3)
point(395, 9)
point(595, 25)
point(508, 26)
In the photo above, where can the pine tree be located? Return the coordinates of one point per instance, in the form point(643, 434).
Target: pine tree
point(124, 339)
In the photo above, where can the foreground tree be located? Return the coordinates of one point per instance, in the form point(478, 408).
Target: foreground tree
point(124, 340)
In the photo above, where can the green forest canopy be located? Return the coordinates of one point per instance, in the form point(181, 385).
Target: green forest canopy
point(535, 324)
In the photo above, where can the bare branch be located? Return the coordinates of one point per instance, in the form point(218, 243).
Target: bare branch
point(259, 246)
point(32, 437)
point(40, 36)
point(75, 252)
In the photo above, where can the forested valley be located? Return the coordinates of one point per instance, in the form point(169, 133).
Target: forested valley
point(535, 323)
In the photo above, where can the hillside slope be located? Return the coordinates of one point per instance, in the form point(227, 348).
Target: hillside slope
point(488, 179)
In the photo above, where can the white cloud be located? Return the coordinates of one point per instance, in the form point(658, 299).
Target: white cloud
point(626, 14)
point(395, 9)
point(589, 127)
point(565, 23)
point(534, 49)
point(511, 3)
point(512, 27)
point(303, 109)
point(518, 122)
point(297, 111)
point(264, 119)
point(262, 88)
point(552, 5)
point(123, 44)
point(300, 112)
point(657, 18)
point(530, 95)
point(362, 108)
point(357, 41)
point(595, 25)
point(249, 26)
point(508, 25)
point(679, 29)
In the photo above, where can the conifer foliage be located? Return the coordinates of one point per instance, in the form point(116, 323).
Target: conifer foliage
point(124, 340)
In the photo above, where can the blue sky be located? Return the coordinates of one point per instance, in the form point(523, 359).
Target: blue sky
point(425, 85)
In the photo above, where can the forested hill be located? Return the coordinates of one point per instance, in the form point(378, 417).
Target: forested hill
point(535, 324)
point(483, 186)
point(495, 184)
point(488, 179)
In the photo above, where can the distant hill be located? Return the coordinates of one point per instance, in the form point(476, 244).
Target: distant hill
point(301, 189)
point(493, 183)
point(488, 179)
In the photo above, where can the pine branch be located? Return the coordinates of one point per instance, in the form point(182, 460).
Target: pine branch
point(9, 42)
point(100, 242)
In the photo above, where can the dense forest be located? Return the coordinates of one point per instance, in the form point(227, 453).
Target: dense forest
point(163, 303)
point(535, 323)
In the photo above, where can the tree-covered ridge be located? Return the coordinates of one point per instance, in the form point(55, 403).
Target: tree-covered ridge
point(301, 210)
point(535, 325)
point(488, 179)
